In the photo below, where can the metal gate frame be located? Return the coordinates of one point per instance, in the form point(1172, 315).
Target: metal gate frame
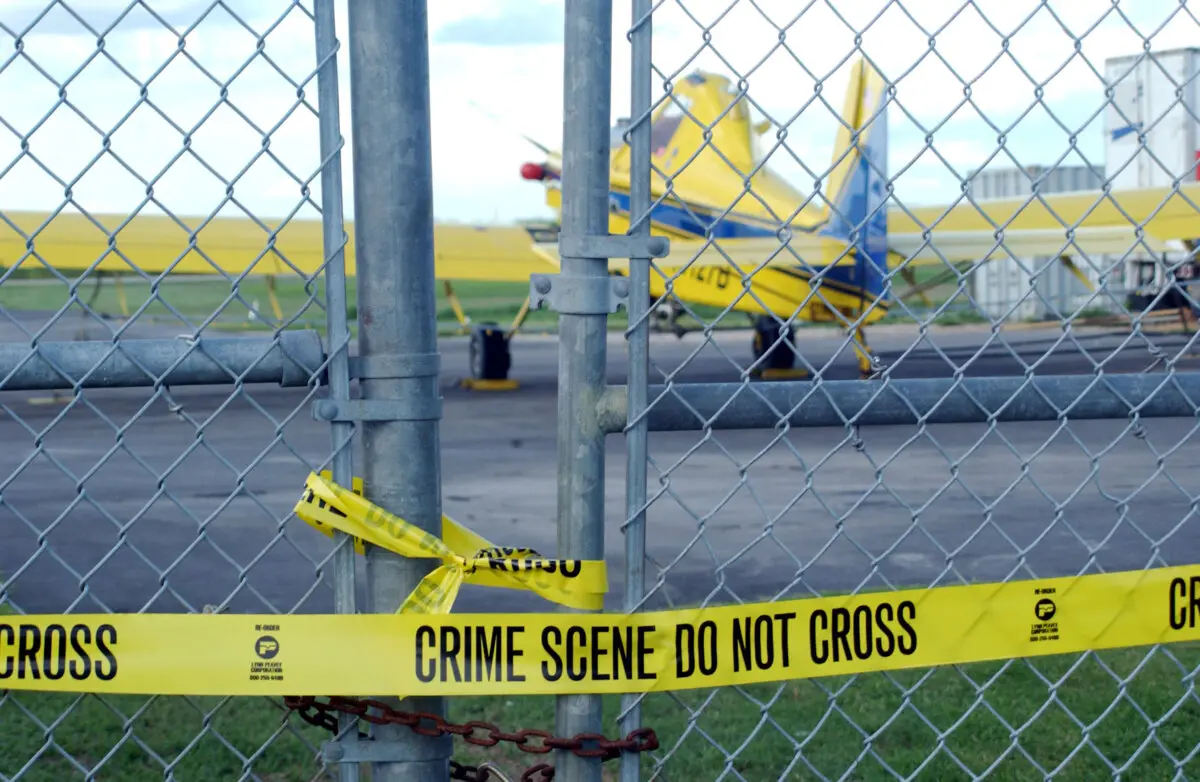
point(589, 409)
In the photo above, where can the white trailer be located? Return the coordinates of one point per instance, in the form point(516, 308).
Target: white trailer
point(1152, 139)
point(1155, 94)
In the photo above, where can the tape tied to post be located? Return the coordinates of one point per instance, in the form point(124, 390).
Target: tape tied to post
point(466, 557)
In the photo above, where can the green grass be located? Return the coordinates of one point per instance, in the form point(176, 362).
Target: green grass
point(910, 722)
point(196, 299)
point(246, 304)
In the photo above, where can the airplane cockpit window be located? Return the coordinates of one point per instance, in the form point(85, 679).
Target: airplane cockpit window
point(738, 111)
point(616, 137)
point(662, 130)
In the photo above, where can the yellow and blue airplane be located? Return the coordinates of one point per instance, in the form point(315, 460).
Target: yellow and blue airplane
point(742, 238)
point(831, 257)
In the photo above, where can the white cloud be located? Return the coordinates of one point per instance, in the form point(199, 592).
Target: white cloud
point(517, 74)
point(509, 24)
point(69, 18)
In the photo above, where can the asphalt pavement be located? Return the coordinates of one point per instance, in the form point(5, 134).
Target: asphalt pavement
point(127, 500)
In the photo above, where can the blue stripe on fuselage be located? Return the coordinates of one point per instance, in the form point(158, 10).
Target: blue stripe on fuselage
point(696, 223)
point(679, 219)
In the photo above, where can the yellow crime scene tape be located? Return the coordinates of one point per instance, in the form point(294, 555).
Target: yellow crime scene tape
point(544, 653)
point(466, 557)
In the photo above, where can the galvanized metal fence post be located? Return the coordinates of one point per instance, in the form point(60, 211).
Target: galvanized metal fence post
point(393, 207)
point(582, 335)
point(636, 434)
point(334, 236)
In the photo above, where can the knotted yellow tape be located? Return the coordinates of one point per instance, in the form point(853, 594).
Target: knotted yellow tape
point(466, 557)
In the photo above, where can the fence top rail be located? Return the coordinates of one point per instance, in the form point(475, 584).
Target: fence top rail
point(890, 402)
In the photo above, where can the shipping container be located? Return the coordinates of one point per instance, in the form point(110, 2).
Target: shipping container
point(1038, 288)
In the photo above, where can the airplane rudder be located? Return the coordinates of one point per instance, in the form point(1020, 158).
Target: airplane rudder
point(845, 157)
point(874, 113)
point(859, 208)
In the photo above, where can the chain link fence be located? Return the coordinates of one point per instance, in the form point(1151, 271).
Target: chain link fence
point(156, 452)
point(998, 466)
point(154, 449)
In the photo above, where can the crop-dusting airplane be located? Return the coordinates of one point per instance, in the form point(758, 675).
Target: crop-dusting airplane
point(742, 238)
point(792, 257)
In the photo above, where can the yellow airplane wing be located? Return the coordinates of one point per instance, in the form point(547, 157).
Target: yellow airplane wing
point(1090, 222)
point(746, 254)
point(155, 244)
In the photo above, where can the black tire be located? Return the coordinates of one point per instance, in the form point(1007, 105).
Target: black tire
point(767, 333)
point(489, 355)
point(1137, 302)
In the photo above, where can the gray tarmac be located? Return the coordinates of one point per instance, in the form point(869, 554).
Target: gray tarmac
point(127, 500)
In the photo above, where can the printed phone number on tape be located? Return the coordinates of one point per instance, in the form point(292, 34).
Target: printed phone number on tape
point(421, 654)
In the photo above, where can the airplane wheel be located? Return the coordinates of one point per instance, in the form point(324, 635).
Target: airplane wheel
point(767, 333)
point(489, 353)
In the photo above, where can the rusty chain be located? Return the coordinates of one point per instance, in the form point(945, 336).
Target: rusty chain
point(542, 772)
point(533, 741)
point(469, 773)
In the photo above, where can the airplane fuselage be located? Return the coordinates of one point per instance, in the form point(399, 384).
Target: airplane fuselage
point(781, 290)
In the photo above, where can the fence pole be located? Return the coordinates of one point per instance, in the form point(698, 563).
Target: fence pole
point(393, 210)
point(636, 435)
point(333, 232)
point(587, 50)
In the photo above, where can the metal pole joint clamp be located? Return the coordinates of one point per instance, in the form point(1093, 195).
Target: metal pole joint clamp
point(386, 366)
point(574, 294)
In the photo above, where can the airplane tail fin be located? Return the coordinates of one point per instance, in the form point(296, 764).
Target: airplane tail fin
point(857, 214)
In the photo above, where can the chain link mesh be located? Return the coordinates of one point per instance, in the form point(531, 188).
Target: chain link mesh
point(984, 100)
point(162, 498)
point(169, 498)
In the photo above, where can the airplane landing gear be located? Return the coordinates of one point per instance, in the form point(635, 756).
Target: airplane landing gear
point(868, 364)
point(767, 339)
point(490, 358)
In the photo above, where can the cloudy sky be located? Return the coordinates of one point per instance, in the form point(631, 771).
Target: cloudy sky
point(108, 122)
